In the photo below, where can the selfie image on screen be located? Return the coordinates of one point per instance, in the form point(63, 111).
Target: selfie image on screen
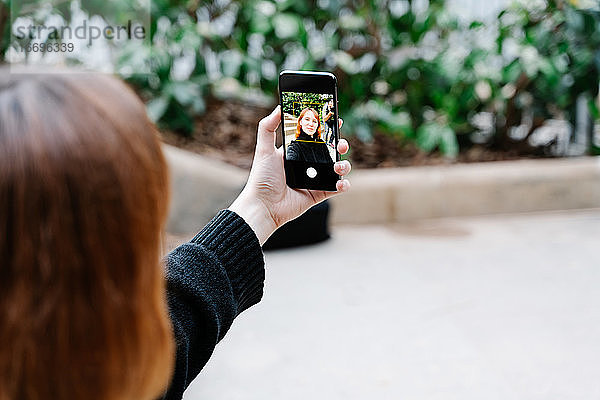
point(309, 127)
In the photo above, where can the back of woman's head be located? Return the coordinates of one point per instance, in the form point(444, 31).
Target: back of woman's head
point(83, 200)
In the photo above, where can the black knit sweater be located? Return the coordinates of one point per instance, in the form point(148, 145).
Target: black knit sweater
point(308, 149)
point(210, 281)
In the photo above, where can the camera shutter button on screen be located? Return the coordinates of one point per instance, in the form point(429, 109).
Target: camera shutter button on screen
point(311, 172)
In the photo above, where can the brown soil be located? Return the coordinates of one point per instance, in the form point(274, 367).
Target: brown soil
point(227, 131)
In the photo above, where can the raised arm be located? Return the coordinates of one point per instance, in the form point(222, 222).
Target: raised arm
point(220, 272)
point(210, 281)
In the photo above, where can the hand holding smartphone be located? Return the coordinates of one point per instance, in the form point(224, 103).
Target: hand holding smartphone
point(310, 129)
point(267, 201)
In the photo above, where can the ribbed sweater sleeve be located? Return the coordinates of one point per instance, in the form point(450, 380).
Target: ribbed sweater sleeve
point(210, 281)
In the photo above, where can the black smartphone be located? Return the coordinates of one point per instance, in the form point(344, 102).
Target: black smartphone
point(309, 118)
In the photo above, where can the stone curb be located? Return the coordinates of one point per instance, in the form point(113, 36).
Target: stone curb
point(199, 188)
point(404, 194)
point(202, 186)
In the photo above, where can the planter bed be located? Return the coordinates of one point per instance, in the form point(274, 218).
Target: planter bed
point(201, 186)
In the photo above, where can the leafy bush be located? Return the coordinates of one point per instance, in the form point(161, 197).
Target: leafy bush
point(4, 27)
point(551, 58)
point(410, 71)
point(407, 68)
point(295, 102)
point(388, 57)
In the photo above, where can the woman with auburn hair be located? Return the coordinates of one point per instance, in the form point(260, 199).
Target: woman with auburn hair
point(87, 310)
point(308, 145)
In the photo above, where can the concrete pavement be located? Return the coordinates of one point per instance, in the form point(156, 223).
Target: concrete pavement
point(504, 307)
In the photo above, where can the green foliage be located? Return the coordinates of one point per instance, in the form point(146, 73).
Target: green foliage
point(413, 72)
point(4, 27)
point(374, 47)
point(551, 58)
point(294, 103)
point(432, 135)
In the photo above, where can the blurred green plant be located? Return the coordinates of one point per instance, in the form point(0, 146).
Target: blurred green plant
point(410, 71)
point(4, 27)
point(387, 56)
point(408, 68)
point(551, 58)
point(294, 103)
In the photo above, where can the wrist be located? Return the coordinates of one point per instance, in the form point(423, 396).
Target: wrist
point(255, 214)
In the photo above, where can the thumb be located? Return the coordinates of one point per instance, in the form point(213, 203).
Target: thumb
point(265, 140)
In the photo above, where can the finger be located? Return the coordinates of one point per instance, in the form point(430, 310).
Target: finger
point(340, 123)
point(343, 146)
point(342, 167)
point(265, 140)
point(342, 185)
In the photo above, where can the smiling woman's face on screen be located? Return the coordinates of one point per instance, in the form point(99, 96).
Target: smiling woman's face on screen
point(309, 123)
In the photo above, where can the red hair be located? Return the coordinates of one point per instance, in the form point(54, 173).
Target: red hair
point(83, 201)
point(299, 128)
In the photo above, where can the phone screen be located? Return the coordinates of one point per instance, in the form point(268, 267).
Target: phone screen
point(309, 127)
point(309, 139)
